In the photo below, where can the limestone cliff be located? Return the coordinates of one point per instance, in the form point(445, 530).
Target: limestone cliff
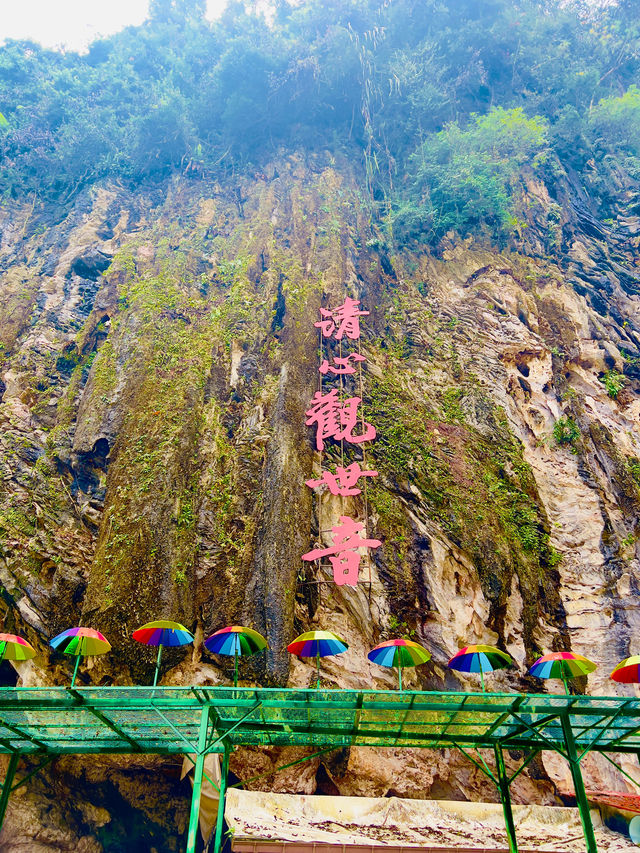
point(158, 354)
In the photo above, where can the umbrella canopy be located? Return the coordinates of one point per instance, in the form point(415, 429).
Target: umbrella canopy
point(317, 644)
point(163, 632)
point(627, 671)
point(480, 659)
point(237, 641)
point(399, 653)
point(80, 642)
point(13, 647)
point(562, 665)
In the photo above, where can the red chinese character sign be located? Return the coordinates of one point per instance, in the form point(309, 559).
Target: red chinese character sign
point(343, 553)
point(341, 366)
point(344, 481)
point(336, 416)
point(341, 321)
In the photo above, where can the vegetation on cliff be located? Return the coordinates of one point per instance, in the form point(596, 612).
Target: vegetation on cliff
point(443, 103)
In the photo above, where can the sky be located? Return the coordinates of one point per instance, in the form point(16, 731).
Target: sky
point(74, 23)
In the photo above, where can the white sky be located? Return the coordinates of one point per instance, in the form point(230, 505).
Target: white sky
point(74, 23)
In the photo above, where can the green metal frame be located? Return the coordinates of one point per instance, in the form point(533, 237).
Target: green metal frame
point(48, 721)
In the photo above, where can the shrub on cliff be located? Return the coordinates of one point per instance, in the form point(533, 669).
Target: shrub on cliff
point(464, 177)
point(615, 125)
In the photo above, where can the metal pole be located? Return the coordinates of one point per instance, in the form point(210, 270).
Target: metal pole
point(6, 785)
point(482, 677)
point(505, 796)
point(235, 669)
point(224, 772)
point(578, 785)
point(197, 781)
point(155, 677)
point(75, 671)
point(399, 678)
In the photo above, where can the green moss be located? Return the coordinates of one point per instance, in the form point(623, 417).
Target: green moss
point(476, 486)
point(392, 520)
point(450, 403)
point(566, 431)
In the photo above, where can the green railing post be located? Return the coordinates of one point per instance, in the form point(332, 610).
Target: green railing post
point(197, 781)
point(6, 785)
point(578, 785)
point(505, 796)
point(224, 772)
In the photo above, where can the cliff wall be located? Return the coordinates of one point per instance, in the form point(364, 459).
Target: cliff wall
point(158, 355)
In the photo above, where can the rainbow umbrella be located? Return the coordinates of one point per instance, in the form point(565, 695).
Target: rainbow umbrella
point(162, 632)
point(317, 644)
point(480, 659)
point(399, 653)
point(81, 642)
point(562, 665)
point(237, 641)
point(627, 671)
point(13, 647)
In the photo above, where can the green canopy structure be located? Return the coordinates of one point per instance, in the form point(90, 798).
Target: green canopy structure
point(46, 722)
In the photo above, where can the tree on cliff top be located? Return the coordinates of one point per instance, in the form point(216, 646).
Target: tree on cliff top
point(410, 88)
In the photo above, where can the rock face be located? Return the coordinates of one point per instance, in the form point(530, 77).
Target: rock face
point(158, 355)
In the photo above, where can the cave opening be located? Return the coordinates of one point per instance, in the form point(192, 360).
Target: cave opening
point(8, 675)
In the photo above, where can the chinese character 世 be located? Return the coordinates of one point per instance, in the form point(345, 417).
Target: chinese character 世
point(343, 553)
point(344, 481)
point(344, 319)
point(336, 419)
point(340, 366)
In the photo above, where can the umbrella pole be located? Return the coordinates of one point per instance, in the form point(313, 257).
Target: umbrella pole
point(482, 679)
point(566, 686)
point(235, 668)
point(155, 677)
point(75, 670)
point(318, 669)
point(399, 678)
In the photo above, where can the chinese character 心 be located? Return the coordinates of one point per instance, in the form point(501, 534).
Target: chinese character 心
point(340, 366)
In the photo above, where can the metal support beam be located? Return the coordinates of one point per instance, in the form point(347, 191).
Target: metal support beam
point(283, 767)
point(24, 735)
point(223, 796)
point(6, 785)
point(536, 729)
point(232, 728)
point(505, 797)
point(578, 785)
point(617, 766)
point(33, 772)
point(197, 781)
point(527, 760)
point(135, 747)
point(484, 767)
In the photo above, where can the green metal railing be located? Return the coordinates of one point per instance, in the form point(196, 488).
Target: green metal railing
point(52, 721)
